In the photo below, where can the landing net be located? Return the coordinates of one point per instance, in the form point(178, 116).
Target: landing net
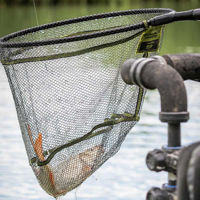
point(74, 109)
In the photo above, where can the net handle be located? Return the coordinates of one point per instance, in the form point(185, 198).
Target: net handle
point(175, 16)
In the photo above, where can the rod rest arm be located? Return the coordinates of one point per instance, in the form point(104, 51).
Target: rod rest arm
point(188, 65)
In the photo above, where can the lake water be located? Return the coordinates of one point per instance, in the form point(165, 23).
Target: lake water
point(124, 176)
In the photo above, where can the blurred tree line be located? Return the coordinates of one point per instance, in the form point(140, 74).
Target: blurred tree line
point(107, 2)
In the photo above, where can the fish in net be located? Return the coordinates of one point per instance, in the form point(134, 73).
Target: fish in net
point(73, 107)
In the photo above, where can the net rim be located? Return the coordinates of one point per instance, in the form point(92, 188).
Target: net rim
point(4, 41)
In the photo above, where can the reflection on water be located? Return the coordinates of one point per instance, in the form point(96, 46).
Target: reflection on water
point(124, 176)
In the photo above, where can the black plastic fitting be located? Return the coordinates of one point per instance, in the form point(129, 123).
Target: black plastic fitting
point(156, 193)
point(151, 73)
point(163, 160)
point(155, 160)
point(170, 85)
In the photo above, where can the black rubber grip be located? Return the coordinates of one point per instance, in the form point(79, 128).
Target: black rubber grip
point(175, 16)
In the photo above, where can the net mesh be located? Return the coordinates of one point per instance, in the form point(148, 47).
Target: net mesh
point(74, 110)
